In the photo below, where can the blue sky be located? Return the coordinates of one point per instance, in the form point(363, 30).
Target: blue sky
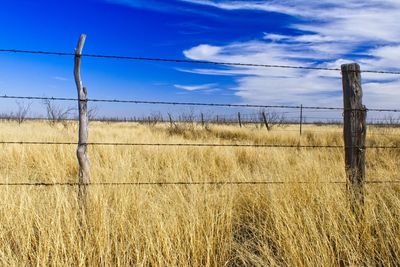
point(298, 32)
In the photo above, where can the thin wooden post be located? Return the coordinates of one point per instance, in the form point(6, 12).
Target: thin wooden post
point(301, 118)
point(202, 119)
point(217, 119)
point(84, 164)
point(239, 119)
point(354, 130)
point(265, 120)
point(170, 119)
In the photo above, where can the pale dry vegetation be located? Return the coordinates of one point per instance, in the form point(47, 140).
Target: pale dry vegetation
point(195, 225)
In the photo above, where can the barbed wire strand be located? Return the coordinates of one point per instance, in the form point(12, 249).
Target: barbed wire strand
point(193, 145)
point(244, 123)
point(218, 183)
point(328, 122)
point(221, 120)
point(204, 62)
point(189, 103)
point(167, 102)
point(170, 144)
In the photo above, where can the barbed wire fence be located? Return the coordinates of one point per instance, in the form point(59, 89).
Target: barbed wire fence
point(353, 120)
point(238, 64)
point(221, 183)
point(239, 118)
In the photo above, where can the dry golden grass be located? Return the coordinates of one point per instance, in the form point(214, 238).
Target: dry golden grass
point(195, 225)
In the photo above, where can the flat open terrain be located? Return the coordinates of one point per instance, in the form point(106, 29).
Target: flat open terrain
point(195, 225)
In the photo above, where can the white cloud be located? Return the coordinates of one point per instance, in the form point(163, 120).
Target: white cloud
point(202, 51)
point(250, 5)
point(383, 57)
point(206, 87)
point(59, 78)
point(346, 20)
point(337, 32)
point(276, 37)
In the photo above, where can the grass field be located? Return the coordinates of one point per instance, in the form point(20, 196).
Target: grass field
point(195, 225)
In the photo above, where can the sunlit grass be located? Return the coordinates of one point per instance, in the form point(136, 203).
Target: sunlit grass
point(195, 225)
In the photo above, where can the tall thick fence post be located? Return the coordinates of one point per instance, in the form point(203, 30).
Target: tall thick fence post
point(301, 119)
point(202, 119)
point(84, 165)
point(354, 130)
point(239, 120)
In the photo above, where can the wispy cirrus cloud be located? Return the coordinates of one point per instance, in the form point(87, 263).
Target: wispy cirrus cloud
point(324, 34)
point(209, 86)
point(170, 6)
point(145, 4)
point(59, 78)
point(330, 33)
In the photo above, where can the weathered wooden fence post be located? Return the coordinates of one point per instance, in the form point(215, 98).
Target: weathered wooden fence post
point(301, 118)
point(84, 164)
point(202, 119)
point(170, 120)
point(354, 130)
point(265, 120)
point(239, 120)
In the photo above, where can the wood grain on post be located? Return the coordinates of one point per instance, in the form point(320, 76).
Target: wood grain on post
point(354, 130)
point(84, 164)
